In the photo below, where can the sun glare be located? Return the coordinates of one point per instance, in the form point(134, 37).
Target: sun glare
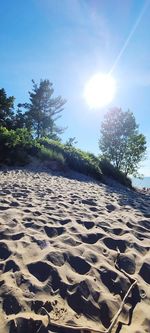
point(100, 90)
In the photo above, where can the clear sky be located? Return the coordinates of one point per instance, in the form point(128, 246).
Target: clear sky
point(67, 41)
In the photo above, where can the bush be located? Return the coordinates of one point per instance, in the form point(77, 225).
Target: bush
point(45, 154)
point(14, 146)
point(109, 170)
point(76, 159)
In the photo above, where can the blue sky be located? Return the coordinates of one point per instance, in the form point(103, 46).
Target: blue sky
point(67, 41)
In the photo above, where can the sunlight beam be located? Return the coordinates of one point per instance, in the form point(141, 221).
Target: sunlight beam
point(130, 35)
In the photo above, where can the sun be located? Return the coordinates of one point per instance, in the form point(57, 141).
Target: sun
point(100, 90)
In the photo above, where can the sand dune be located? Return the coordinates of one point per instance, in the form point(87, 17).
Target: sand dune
point(65, 246)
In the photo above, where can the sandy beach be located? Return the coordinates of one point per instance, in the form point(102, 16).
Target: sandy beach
point(73, 247)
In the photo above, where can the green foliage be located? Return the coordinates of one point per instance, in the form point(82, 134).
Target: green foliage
point(76, 159)
point(135, 152)
point(21, 120)
point(14, 146)
point(109, 170)
point(24, 137)
point(6, 109)
point(86, 162)
point(45, 154)
point(120, 141)
point(11, 138)
point(71, 141)
point(43, 110)
point(17, 147)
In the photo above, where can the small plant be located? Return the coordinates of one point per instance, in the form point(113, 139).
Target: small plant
point(45, 154)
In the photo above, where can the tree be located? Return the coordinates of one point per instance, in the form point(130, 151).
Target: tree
point(71, 141)
point(120, 141)
point(43, 109)
point(21, 120)
point(6, 109)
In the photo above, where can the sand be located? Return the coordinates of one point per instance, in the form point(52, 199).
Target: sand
point(73, 247)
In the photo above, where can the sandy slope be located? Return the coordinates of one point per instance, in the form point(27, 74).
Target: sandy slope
point(58, 249)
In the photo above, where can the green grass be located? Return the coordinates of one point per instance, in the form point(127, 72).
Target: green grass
point(45, 154)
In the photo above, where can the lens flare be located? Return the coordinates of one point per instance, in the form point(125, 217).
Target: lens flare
point(100, 90)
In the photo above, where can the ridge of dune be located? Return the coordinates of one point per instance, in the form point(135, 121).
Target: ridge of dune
point(59, 242)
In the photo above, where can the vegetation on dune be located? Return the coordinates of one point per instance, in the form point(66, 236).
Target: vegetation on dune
point(14, 146)
point(34, 133)
point(109, 170)
point(17, 148)
point(45, 154)
point(76, 159)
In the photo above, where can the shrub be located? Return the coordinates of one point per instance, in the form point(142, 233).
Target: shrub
point(76, 159)
point(45, 154)
point(14, 145)
point(109, 170)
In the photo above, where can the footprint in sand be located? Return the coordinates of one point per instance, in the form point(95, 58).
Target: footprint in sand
point(4, 251)
point(79, 264)
point(145, 272)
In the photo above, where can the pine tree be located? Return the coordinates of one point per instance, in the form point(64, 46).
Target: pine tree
point(43, 109)
point(6, 109)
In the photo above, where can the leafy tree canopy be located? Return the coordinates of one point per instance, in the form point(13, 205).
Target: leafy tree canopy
point(120, 141)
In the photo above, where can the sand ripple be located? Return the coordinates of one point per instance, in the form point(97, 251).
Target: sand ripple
point(59, 239)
